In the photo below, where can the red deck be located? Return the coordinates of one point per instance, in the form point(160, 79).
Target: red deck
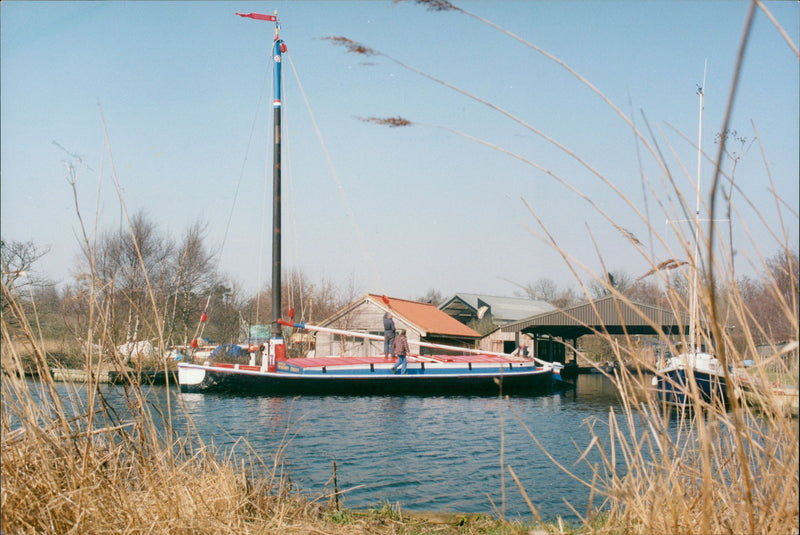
point(316, 362)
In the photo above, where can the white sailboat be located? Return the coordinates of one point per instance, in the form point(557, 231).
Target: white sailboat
point(694, 369)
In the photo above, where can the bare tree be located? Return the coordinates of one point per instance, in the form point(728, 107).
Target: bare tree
point(546, 289)
point(17, 259)
point(644, 291)
point(432, 297)
point(194, 276)
point(616, 280)
point(543, 289)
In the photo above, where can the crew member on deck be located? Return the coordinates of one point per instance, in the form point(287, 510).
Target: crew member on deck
point(401, 350)
point(388, 335)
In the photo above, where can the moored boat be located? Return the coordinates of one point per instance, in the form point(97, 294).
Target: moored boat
point(767, 396)
point(469, 372)
point(688, 373)
point(695, 373)
point(430, 374)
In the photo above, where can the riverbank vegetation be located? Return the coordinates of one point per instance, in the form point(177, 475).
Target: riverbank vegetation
point(72, 464)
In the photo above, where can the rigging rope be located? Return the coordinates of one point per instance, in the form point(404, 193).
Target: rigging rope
point(364, 249)
point(262, 226)
point(207, 308)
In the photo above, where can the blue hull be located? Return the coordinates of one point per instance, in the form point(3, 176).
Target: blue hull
point(223, 381)
point(673, 387)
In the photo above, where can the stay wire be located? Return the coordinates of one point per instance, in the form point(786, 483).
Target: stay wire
point(292, 271)
point(206, 309)
point(362, 242)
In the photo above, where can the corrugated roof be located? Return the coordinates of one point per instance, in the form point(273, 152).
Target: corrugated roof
point(609, 314)
point(503, 309)
point(427, 316)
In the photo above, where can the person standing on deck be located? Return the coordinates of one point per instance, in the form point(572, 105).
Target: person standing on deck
point(400, 350)
point(388, 335)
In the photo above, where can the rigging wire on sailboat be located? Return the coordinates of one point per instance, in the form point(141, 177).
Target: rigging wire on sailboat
point(207, 308)
point(362, 242)
point(265, 201)
point(293, 276)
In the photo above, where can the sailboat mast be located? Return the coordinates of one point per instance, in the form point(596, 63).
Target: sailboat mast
point(696, 267)
point(277, 48)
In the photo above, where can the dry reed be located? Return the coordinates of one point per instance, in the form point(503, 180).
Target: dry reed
point(73, 466)
point(709, 468)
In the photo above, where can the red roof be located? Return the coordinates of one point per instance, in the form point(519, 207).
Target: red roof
point(428, 317)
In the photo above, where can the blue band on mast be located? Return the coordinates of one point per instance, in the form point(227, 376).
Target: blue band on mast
point(276, 89)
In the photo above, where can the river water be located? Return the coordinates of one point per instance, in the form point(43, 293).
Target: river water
point(425, 453)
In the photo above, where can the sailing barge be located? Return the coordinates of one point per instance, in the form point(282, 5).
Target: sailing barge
point(472, 372)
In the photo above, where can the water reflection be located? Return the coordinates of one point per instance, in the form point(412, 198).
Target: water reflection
point(427, 453)
point(431, 453)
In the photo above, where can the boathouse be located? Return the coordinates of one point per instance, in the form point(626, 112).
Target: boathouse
point(423, 322)
point(500, 311)
point(554, 331)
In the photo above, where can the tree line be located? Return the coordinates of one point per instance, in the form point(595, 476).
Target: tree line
point(149, 285)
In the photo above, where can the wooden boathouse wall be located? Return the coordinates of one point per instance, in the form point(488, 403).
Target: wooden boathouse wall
point(366, 318)
point(421, 321)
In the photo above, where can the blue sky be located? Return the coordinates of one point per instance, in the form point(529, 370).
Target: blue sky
point(185, 89)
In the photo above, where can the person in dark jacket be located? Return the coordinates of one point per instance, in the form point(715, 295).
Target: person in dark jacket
point(388, 335)
point(400, 350)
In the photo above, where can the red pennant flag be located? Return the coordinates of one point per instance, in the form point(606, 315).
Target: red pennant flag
point(259, 16)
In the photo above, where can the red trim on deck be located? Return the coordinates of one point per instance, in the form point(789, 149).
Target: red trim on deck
point(317, 362)
point(229, 366)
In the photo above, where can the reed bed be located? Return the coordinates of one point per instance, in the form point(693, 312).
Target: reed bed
point(73, 465)
point(707, 468)
point(701, 469)
point(70, 464)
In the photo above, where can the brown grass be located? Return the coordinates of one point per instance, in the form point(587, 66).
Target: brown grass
point(69, 468)
point(70, 465)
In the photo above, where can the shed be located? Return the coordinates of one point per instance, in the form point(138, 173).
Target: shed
point(609, 315)
point(466, 307)
point(423, 322)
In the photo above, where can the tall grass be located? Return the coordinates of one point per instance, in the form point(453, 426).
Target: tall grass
point(72, 464)
point(708, 468)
